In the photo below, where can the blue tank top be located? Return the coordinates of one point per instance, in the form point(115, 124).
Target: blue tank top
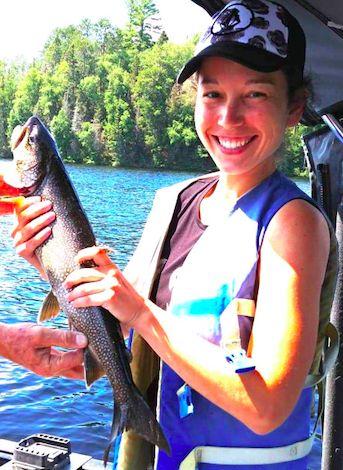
point(229, 249)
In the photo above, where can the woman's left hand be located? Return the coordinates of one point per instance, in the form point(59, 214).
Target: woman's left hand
point(104, 285)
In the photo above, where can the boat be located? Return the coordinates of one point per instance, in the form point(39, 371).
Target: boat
point(45, 452)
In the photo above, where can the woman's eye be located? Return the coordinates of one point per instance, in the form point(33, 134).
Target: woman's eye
point(256, 94)
point(212, 94)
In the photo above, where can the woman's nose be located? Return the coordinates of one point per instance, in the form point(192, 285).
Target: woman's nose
point(231, 114)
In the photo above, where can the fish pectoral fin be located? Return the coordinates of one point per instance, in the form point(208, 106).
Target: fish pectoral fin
point(49, 309)
point(93, 368)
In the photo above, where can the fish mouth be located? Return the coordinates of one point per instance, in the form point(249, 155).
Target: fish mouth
point(21, 132)
point(18, 136)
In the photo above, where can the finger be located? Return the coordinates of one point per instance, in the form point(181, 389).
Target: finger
point(94, 253)
point(29, 201)
point(64, 362)
point(31, 209)
point(46, 337)
point(94, 300)
point(90, 288)
point(76, 373)
point(32, 228)
point(27, 249)
point(19, 209)
point(83, 275)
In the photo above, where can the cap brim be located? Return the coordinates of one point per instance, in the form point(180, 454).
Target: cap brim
point(250, 56)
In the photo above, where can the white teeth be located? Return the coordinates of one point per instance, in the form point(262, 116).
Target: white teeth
point(233, 144)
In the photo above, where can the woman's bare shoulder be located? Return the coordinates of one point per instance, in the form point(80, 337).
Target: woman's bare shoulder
point(299, 230)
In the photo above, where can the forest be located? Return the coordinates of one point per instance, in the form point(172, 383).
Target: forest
point(109, 96)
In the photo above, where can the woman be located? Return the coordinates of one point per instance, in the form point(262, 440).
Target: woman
point(220, 253)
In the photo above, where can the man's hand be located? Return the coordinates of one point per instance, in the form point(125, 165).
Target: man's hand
point(33, 347)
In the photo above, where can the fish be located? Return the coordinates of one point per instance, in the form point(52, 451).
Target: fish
point(38, 170)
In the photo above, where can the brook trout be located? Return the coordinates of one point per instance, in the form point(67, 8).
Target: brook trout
point(37, 170)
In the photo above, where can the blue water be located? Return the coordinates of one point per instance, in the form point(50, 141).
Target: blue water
point(117, 203)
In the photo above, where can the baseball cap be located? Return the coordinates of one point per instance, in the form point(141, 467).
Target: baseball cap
point(261, 35)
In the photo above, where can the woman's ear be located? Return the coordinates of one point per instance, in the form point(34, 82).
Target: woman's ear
point(295, 111)
point(296, 107)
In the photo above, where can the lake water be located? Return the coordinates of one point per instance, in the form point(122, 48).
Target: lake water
point(117, 202)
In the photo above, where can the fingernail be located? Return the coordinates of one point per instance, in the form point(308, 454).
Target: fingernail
point(81, 340)
point(16, 238)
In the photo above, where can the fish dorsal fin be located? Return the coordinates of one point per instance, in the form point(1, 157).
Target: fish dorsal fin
point(49, 309)
point(93, 368)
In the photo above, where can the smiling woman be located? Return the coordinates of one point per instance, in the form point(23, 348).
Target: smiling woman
point(229, 291)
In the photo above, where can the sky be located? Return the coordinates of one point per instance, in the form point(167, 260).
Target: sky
point(26, 26)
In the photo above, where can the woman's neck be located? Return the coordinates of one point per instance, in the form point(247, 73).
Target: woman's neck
point(220, 200)
point(235, 186)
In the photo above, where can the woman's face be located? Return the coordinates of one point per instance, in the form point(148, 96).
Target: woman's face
point(241, 115)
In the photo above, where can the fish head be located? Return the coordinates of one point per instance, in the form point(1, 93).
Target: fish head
point(33, 147)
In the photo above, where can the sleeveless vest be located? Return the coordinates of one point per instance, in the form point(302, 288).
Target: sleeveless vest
point(229, 250)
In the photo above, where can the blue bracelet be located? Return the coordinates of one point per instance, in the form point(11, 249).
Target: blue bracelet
point(240, 361)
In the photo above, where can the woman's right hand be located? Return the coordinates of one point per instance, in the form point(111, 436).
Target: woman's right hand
point(31, 228)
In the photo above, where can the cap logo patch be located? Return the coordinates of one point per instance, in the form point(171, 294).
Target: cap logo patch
point(236, 17)
point(252, 22)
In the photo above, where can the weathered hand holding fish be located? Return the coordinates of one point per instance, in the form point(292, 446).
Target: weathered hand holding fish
point(33, 347)
point(37, 170)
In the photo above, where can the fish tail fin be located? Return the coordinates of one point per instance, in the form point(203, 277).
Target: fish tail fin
point(118, 426)
point(138, 417)
point(143, 421)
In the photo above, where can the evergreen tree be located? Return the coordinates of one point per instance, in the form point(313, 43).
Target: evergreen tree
point(110, 96)
point(9, 76)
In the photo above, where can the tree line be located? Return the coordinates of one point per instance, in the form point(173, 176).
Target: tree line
point(109, 96)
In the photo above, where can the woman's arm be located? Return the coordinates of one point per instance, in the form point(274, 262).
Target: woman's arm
point(293, 261)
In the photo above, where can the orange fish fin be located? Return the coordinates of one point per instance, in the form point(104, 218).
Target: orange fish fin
point(49, 309)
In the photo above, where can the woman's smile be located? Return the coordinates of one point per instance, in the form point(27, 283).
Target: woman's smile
point(234, 145)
